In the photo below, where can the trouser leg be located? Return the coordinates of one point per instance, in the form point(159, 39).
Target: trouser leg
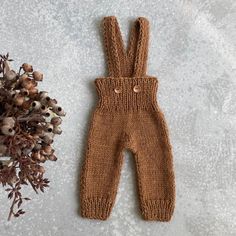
point(101, 168)
point(153, 156)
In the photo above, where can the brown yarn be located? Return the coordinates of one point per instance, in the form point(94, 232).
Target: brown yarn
point(127, 116)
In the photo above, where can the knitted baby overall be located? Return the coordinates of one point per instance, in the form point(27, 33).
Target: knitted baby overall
point(127, 116)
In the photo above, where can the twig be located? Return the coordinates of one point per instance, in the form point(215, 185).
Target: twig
point(12, 207)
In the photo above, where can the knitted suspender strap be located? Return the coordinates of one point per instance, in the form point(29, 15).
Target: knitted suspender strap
point(134, 61)
point(138, 47)
point(114, 46)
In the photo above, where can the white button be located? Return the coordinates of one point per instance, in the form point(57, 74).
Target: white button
point(117, 90)
point(137, 88)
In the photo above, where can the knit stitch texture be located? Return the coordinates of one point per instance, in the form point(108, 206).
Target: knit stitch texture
point(127, 116)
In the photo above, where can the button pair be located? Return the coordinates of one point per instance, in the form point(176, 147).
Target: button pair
point(136, 89)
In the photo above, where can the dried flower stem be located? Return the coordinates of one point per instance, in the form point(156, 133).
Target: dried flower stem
point(12, 207)
point(29, 120)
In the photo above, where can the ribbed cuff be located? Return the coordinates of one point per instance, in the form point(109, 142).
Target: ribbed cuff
point(96, 208)
point(160, 210)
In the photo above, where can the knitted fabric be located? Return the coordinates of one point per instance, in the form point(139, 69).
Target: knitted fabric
point(127, 116)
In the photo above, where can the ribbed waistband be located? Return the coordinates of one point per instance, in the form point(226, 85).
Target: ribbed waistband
point(127, 93)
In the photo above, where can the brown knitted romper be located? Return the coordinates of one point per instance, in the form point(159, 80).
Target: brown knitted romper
point(127, 116)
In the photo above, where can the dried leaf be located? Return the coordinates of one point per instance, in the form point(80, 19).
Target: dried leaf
point(27, 199)
point(10, 195)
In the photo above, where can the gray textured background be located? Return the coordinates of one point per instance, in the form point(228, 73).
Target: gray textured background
point(192, 52)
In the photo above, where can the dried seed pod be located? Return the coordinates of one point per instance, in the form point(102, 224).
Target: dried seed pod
point(39, 131)
point(42, 158)
point(36, 105)
point(7, 130)
point(57, 130)
point(48, 118)
point(3, 149)
point(10, 75)
point(41, 169)
point(27, 67)
point(8, 121)
point(33, 91)
point(52, 102)
point(19, 100)
point(45, 100)
point(37, 147)
point(47, 150)
point(26, 105)
point(38, 76)
point(56, 121)
point(46, 112)
point(24, 92)
point(52, 157)
point(49, 128)
point(34, 83)
point(43, 94)
point(27, 84)
point(59, 111)
point(12, 179)
point(13, 93)
point(23, 78)
point(36, 155)
point(43, 107)
point(35, 136)
point(48, 138)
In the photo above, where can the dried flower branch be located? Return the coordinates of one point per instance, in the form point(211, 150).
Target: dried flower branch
point(29, 120)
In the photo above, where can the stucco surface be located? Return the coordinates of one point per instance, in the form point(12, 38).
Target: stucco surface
point(192, 52)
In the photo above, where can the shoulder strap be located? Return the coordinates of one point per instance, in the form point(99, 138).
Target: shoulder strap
point(138, 47)
point(134, 61)
point(114, 46)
